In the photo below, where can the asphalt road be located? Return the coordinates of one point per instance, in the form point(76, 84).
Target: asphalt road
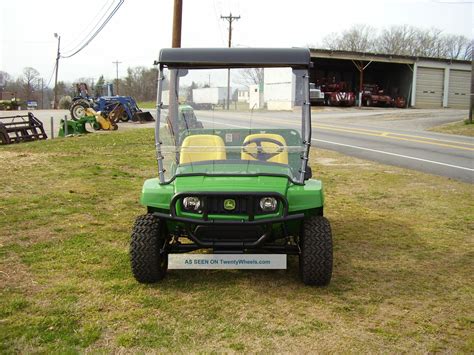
point(390, 136)
point(375, 136)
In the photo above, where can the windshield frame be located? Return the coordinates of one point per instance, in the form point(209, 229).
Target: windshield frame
point(305, 123)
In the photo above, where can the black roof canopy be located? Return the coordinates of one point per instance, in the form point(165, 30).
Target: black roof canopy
point(235, 57)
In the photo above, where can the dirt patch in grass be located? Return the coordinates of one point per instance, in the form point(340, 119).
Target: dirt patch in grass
point(402, 277)
point(20, 160)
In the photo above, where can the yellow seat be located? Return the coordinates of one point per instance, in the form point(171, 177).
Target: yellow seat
point(265, 147)
point(202, 147)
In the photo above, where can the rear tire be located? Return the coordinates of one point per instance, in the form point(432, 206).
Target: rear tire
point(148, 263)
point(78, 109)
point(316, 251)
point(124, 117)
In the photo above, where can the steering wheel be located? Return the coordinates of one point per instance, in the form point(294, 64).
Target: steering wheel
point(260, 153)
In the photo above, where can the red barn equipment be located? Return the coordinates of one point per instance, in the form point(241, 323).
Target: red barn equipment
point(372, 95)
point(337, 94)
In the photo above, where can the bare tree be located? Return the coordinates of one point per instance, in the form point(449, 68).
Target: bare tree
point(251, 76)
point(140, 83)
point(331, 41)
point(397, 40)
point(4, 78)
point(358, 38)
point(427, 43)
point(456, 46)
point(467, 53)
point(30, 76)
point(401, 40)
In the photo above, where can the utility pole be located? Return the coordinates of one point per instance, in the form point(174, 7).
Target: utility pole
point(471, 101)
point(229, 18)
point(177, 20)
point(117, 80)
point(55, 104)
point(175, 43)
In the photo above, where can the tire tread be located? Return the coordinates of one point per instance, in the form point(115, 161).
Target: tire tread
point(146, 260)
point(316, 257)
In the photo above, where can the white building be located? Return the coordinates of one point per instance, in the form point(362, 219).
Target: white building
point(279, 88)
point(242, 95)
point(255, 97)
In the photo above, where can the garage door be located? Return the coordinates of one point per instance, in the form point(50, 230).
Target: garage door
point(429, 87)
point(459, 85)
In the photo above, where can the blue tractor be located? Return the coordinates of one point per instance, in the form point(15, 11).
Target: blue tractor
point(122, 108)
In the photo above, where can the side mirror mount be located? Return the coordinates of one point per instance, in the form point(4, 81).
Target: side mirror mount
point(182, 72)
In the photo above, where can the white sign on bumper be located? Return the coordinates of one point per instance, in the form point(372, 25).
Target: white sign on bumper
point(227, 261)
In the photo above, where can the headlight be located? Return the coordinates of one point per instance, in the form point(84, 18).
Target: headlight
point(192, 203)
point(268, 204)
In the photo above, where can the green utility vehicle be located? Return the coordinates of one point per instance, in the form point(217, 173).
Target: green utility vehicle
point(240, 182)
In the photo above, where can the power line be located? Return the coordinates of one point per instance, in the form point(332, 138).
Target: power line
point(51, 77)
point(97, 31)
point(218, 22)
point(97, 19)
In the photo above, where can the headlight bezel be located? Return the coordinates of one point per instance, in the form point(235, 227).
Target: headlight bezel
point(268, 204)
point(192, 204)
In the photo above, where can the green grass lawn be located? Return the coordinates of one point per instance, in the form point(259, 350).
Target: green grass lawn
point(461, 128)
point(147, 105)
point(403, 274)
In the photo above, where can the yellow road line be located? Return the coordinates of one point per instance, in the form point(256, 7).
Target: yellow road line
point(398, 134)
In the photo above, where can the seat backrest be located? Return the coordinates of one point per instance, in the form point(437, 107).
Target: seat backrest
point(275, 145)
point(202, 147)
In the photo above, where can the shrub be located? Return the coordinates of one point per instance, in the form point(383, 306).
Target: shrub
point(65, 102)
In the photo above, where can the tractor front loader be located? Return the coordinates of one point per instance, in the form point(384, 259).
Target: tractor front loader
point(108, 103)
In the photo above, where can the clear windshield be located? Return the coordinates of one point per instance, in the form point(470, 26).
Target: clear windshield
point(256, 125)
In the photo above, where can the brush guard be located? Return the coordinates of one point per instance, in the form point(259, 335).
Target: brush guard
point(259, 241)
point(21, 128)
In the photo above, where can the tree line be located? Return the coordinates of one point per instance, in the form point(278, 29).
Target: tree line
point(401, 40)
point(140, 83)
point(29, 86)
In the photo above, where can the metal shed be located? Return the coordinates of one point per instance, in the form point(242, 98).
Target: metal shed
point(424, 82)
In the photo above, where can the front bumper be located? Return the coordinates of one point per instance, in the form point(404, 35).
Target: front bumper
point(259, 242)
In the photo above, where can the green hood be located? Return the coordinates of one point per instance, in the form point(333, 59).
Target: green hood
point(231, 184)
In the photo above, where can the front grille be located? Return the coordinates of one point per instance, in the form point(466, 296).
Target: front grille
point(215, 204)
point(244, 205)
